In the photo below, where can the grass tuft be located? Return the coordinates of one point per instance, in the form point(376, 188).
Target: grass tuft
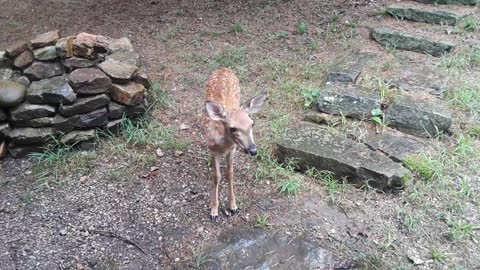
point(422, 165)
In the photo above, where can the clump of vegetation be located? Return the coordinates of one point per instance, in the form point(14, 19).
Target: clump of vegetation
point(422, 165)
point(466, 97)
point(334, 186)
point(310, 96)
point(471, 25)
point(460, 230)
point(237, 28)
point(290, 186)
point(262, 221)
point(461, 60)
point(302, 28)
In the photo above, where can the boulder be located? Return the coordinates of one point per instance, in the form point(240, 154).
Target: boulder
point(24, 150)
point(42, 70)
point(64, 125)
point(89, 81)
point(78, 136)
point(16, 48)
point(24, 59)
point(130, 94)
point(54, 91)
point(424, 14)
point(27, 111)
point(97, 118)
point(11, 93)
point(45, 39)
point(349, 71)
point(317, 147)
point(45, 53)
point(6, 74)
point(120, 45)
point(404, 41)
point(117, 111)
point(117, 70)
point(36, 122)
point(130, 57)
point(84, 105)
point(74, 62)
point(26, 136)
point(64, 47)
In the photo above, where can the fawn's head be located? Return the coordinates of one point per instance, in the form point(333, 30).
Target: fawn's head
point(238, 124)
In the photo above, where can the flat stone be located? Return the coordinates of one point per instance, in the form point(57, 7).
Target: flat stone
point(114, 126)
point(84, 105)
point(131, 58)
point(349, 71)
point(26, 136)
point(64, 125)
point(318, 147)
point(25, 150)
point(42, 70)
point(45, 39)
point(395, 146)
point(244, 248)
point(117, 70)
point(24, 59)
point(348, 100)
point(6, 74)
point(97, 118)
point(130, 94)
point(46, 53)
point(117, 111)
point(120, 45)
point(88, 46)
point(3, 115)
point(420, 115)
point(141, 77)
point(64, 47)
point(36, 122)
point(4, 130)
point(404, 41)
point(27, 111)
point(320, 118)
point(78, 136)
point(16, 48)
point(425, 14)
point(89, 81)
point(450, 2)
point(74, 62)
point(11, 93)
point(420, 79)
point(54, 91)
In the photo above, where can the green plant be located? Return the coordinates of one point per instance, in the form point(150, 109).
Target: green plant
point(302, 28)
point(459, 229)
point(237, 28)
point(261, 221)
point(466, 97)
point(310, 96)
point(471, 25)
point(377, 117)
point(422, 165)
point(159, 98)
point(290, 186)
point(438, 255)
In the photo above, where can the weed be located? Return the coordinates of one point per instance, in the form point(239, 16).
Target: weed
point(378, 117)
point(237, 28)
point(333, 185)
point(474, 131)
point(310, 97)
point(459, 229)
point(411, 220)
point(426, 167)
point(461, 60)
point(438, 255)
point(261, 221)
point(290, 186)
point(302, 28)
point(159, 98)
point(466, 97)
point(471, 25)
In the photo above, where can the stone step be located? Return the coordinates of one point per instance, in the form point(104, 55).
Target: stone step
point(426, 14)
point(318, 147)
point(420, 79)
point(450, 2)
point(404, 41)
point(350, 70)
point(420, 115)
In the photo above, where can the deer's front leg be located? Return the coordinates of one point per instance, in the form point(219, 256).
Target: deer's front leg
point(230, 177)
point(216, 182)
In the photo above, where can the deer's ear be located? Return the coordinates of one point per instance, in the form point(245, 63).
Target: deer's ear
point(255, 104)
point(215, 111)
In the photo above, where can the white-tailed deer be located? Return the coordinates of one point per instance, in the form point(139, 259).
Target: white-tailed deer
point(227, 125)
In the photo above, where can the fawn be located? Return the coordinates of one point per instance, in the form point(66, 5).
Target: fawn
point(227, 124)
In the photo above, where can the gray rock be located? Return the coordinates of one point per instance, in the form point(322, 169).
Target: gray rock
point(26, 136)
point(4, 130)
point(420, 79)
point(120, 45)
point(42, 70)
point(22, 80)
point(114, 126)
point(424, 14)
point(27, 111)
point(395, 146)
point(24, 59)
point(3, 115)
point(78, 136)
point(64, 125)
point(449, 2)
point(84, 46)
point(64, 47)
point(117, 111)
point(130, 94)
point(6, 74)
point(11, 93)
point(45, 39)
point(25, 150)
point(16, 48)
point(97, 118)
point(89, 81)
point(54, 91)
point(117, 70)
point(36, 122)
point(404, 41)
point(84, 105)
point(418, 115)
point(244, 248)
point(74, 62)
point(46, 53)
point(318, 147)
point(131, 58)
point(141, 77)
point(349, 100)
point(350, 71)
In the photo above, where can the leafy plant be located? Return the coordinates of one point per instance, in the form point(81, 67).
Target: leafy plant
point(310, 97)
point(302, 28)
point(290, 186)
point(262, 221)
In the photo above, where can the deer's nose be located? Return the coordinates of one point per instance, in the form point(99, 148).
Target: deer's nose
point(252, 150)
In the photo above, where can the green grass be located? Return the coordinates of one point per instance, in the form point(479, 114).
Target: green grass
point(471, 25)
point(290, 186)
point(334, 186)
point(262, 221)
point(438, 255)
point(237, 28)
point(466, 97)
point(310, 97)
point(301, 28)
point(461, 60)
point(159, 98)
point(423, 165)
point(460, 229)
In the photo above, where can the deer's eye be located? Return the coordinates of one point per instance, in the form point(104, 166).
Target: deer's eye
point(233, 130)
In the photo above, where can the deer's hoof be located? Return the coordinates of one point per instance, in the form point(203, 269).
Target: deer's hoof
point(232, 212)
point(214, 218)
